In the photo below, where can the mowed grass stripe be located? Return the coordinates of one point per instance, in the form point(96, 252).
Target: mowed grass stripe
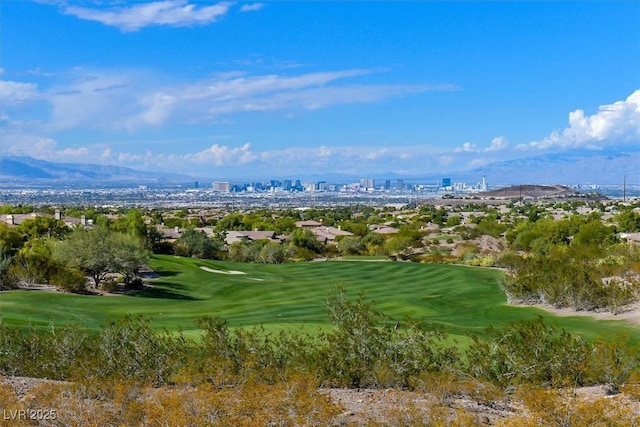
point(459, 299)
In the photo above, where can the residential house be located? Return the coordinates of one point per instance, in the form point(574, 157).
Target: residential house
point(250, 236)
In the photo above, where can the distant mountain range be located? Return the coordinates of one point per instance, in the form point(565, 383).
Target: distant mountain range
point(575, 167)
point(23, 168)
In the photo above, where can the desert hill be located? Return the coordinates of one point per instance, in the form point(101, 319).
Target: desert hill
point(529, 191)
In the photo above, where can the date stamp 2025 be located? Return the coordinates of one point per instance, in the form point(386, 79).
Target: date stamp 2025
point(29, 414)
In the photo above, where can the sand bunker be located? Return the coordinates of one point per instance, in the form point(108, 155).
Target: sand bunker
point(211, 270)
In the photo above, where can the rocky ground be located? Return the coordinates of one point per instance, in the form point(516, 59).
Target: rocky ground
point(401, 407)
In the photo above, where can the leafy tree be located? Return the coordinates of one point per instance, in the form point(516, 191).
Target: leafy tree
point(351, 245)
point(491, 227)
point(272, 253)
point(374, 243)
point(305, 239)
point(42, 226)
point(595, 233)
point(34, 262)
point(7, 279)
point(453, 220)
point(10, 240)
point(628, 221)
point(98, 252)
point(89, 250)
point(231, 222)
point(128, 257)
point(132, 223)
point(197, 244)
point(357, 228)
point(68, 279)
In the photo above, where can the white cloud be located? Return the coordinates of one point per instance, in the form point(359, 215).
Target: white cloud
point(175, 13)
point(376, 154)
point(445, 160)
point(94, 99)
point(222, 155)
point(325, 151)
point(467, 147)
point(497, 144)
point(16, 92)
point(158, 108)
point(480, 162)
point(251, 7)
point(206, 100)
point(133, 99)
point(613, 123)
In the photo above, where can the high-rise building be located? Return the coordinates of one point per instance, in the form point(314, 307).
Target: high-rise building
point(387, 184)
point(221, 186)
point(399, 184)
point(446, 182)
point(366, 183)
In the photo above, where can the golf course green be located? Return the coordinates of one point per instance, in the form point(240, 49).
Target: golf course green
point(460, 299)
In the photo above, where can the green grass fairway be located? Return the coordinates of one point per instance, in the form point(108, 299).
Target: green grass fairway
point(460, 299)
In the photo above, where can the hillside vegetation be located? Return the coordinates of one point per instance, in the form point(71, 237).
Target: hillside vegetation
point(159, 325)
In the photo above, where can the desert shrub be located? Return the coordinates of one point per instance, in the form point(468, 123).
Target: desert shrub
point(563, 408)
point(366, 350)
point(8, 279)
point(53, 354)
point(110, 285)
point(130, 349)
point(564, 281)
point(614, 362)
point(468, 233)
point(529, 352)
point(69, 279)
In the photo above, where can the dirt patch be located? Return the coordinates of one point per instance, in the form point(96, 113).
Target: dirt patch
point(37, 287)
point(22, 386)
point(630, 313)
point(389, 406)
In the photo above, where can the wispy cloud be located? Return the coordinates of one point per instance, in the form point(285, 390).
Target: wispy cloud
point(499, 143)
point(205, 101)
point(219, 155)
point(251, 7)
point(613, 123)
point(134, 99)
point(16, 92)
point(174, 13)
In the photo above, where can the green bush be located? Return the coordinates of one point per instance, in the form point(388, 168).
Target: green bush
point(69, 280)
point(529, 352)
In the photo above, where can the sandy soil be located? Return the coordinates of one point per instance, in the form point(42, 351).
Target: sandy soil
point(387, 406)
point(631, 313)
point(211, 270)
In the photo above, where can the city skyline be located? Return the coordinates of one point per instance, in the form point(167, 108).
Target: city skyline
point(277, 88)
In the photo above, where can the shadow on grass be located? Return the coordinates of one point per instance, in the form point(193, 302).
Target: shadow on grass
point(163, 292)
point(166, 273)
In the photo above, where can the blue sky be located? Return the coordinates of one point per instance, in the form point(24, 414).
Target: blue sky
point(240, 89)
